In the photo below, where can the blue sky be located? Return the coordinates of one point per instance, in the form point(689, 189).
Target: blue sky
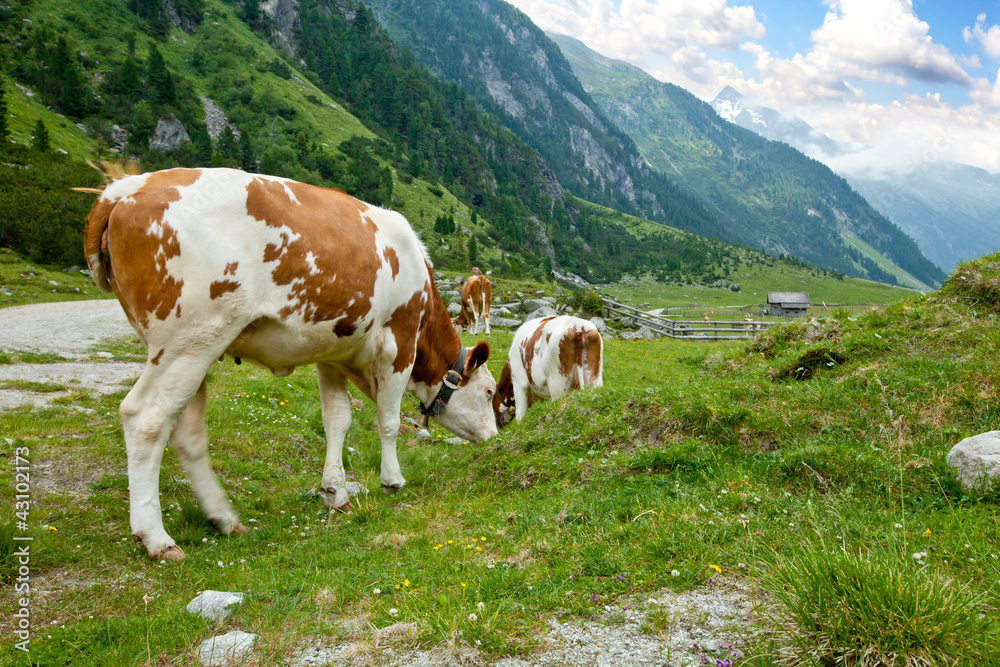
point(920, 75)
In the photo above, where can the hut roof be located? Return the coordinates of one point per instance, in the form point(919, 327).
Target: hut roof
point(789, 299)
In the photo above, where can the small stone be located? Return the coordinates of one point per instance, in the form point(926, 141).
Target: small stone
point(228, 649)
point(214, 605)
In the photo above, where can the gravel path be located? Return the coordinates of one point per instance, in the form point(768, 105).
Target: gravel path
point(69, 329)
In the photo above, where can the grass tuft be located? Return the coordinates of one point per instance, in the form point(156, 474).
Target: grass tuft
point(845, 608)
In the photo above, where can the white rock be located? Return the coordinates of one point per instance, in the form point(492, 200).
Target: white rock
point(228, 649)
point(215, 605)
point(976, 460)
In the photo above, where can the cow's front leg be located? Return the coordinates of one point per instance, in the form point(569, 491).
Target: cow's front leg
point(390, 396)
point(336, 408)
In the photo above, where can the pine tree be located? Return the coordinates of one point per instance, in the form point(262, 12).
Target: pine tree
point(248, 159)
point(161, 84)
point(228, 145)
point(72, 94)
point(41, 142)
point(473, 249)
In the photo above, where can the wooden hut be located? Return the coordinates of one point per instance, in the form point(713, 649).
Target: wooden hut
point(789, 304)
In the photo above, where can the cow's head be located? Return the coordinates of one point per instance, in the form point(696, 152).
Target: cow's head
point(503, 400)
point(469, 412)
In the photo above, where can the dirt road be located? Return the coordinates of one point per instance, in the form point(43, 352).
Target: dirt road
point(68, 329)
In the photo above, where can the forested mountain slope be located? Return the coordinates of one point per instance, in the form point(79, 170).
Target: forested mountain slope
point(313, 90)
point(515, 72)
point(767, 191)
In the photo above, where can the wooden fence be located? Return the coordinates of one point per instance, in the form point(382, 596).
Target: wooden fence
point(689, 329)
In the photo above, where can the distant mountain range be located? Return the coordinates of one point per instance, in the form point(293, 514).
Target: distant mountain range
point(769, 193)
point(952, 210)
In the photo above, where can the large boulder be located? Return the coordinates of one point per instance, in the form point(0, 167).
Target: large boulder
point(543, 311)
point(644, 333)
point(168, 135)
point(976, 461)
point(534, 304)
point(599, 323)
point(504, 322)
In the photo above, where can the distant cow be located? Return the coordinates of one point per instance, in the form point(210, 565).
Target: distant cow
point(548, 357)
point(477, 292)
point(207, 262)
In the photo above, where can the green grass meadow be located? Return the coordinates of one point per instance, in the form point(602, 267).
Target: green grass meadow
point(808, 464)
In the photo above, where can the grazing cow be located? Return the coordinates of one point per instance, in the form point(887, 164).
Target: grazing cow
point(209, 262)
point(477, 292)
point(548, 357)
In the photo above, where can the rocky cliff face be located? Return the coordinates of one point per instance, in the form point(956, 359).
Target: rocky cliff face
point(285, 15)
point(517, 73)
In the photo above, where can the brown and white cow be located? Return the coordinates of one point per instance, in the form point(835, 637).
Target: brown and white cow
point(548, 357)
point(477, 292)
point(207, 262)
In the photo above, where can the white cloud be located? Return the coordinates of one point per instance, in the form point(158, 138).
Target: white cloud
point(918, 129)
point(859, 42)
point(988, 37)
point(885, 35)
point(985, 93)
point(660, 26)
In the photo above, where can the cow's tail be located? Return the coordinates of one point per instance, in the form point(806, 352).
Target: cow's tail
point(588, 345)
point(95, 232)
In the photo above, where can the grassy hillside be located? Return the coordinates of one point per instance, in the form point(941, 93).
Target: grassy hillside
point(814, 452)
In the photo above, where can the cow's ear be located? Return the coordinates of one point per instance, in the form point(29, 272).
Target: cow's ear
point(477, 356)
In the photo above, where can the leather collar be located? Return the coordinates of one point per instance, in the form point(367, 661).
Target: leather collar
point(452, 380)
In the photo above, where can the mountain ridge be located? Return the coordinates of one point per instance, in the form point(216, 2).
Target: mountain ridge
point(771, 193)
point(952, 210)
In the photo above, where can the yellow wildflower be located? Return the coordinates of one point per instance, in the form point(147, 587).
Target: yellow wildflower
point(716, 568)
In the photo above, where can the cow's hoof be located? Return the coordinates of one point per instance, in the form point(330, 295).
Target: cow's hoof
point(391, 489)
point(227, 526)
point(172, 553)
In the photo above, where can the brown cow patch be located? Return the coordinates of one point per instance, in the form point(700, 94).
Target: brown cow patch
point(138, 234)
point(570, 346)
point(330, 227)
point(404, 324)
point(438, 344)
point(156, 360)
point(231, 268)
point(220, 287)
point(390, 256)
point(529, 345)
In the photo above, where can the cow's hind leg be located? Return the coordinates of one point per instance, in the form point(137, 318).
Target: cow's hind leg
point(190, 441)
point(336, 408)
point(148, 415)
